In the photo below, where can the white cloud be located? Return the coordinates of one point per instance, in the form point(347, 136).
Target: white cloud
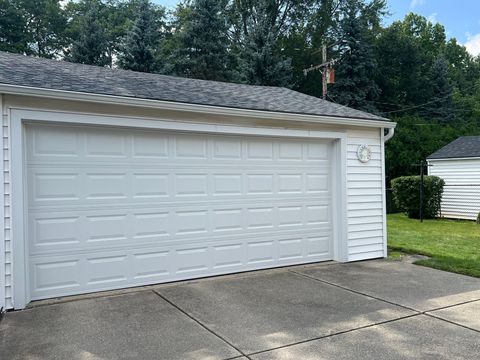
point(473, 44)
point(415, 3)
point(433, 18)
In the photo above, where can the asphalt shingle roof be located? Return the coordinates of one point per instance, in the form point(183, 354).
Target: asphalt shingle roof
point(463, 147)
point(61, 75)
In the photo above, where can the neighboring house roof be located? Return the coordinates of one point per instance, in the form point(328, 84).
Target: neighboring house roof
point(463, 147)
point(33, 72)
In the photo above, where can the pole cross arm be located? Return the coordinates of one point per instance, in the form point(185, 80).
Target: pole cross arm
point(316, 67)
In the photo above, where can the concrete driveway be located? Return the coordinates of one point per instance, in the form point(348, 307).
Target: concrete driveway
point(368, 310)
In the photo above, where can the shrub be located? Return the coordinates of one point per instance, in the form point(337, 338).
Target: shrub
point(406, 192)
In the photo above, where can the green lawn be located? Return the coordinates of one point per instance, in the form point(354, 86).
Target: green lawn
point(453, 245)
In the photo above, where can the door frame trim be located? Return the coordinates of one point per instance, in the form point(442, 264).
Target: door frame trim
point(18, 118)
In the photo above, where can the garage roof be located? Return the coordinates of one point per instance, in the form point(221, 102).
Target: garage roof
point(463, 147)
point(19, 70)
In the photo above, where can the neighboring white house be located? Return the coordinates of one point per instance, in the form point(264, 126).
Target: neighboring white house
point(114, 179)
point(458, 163)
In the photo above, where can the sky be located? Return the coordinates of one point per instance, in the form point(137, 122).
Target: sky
point(461, 18)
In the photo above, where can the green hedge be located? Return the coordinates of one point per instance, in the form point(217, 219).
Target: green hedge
point(406, 192)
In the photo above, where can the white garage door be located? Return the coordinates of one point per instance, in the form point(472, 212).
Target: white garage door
point(111, 208)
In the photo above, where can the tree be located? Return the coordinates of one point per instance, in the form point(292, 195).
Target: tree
point(355, 85)
point(442, 106)
point(114, 17)
point(201, 47)
point(139, 46)
point(12, 24)
point(399, 71)
point(46, 24)
point(262, 63)
point(91, 47)
point(463, 69)
point(303, 44)
point(404, 70)
point(258, 27)
point(33, 27)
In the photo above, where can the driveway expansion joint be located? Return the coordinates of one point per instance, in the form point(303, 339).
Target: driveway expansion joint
point(356, 292)
point(451, 322)
point(332, 335)
point(451, 306)
point(202, 325)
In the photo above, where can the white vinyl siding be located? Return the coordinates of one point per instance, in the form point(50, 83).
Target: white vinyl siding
point(459, 200)
point(6, 257)
point(365, 202)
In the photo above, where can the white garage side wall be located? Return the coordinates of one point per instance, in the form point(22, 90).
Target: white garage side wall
point(459, 200)
point(365, 205)
point(3, 163)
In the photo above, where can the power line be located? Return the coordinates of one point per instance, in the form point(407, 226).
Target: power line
point(427, 103)
point(453, 110)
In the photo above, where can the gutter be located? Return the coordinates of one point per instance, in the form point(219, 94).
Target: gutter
point(187, 107)
point(389, 134)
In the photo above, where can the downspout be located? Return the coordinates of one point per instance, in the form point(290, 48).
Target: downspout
point(389, 134)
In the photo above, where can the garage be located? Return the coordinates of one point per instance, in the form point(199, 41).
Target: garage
point(110, 208)
point(114, 179)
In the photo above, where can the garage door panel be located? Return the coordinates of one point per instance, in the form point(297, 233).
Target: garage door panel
point(147, 146)
point(50, 186)
point(54, 143)
point(72, 145)
point(89, 230)
point(98, 228)
point(51, 276)
point(227, 149)
point(111, 208)
point(102, 143)
point(59, 275)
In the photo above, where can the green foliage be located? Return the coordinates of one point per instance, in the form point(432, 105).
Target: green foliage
point(91, 46)
point(441, 107)
point(138, 50)
point(202, 47)
point(12, 37)
point(33, 27)
point(416, 138)
point(406, 192)
point(114, 17)
point(355, 86)
point(258, 29)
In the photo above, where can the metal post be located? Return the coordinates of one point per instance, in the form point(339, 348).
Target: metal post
point(421, 191)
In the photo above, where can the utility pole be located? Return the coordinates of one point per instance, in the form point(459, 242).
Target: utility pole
point(327, 73)
point(324, 72)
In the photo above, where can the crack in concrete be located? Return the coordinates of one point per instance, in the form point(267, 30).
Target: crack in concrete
point(202, 325)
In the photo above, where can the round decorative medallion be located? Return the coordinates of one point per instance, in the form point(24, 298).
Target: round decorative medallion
point(364, 153)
